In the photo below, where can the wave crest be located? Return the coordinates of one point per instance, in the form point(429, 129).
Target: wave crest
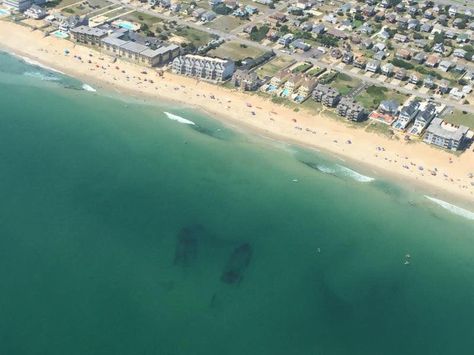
point(88, 88)
point(354, 174)
point(325, 169)
point(41, 76)
point(179, 119)
point(38, 64)
point(452, 208)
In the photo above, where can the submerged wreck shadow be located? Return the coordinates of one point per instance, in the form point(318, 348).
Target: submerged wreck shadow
point(187, 244)
point(213, 133)
point(237, 263)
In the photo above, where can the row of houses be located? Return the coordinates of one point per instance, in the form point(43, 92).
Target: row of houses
point(413, 117)
point(293, 86)
point(420, 118)
point(127, 44)
point(441, 86)
point(300, 86)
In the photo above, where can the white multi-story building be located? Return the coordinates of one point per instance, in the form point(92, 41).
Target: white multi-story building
point(18, 5)
point(447, 135)
point(22, 5)
point(36, 12)
point(207, 68)
point(120, 44)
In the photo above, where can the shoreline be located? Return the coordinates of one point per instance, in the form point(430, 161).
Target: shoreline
point(315, 131)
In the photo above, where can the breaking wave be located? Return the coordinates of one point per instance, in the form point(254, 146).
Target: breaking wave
point(452, 208)
point(326, 169)
point(339, 171)
point(88, 88)
point(178, 118)
point(41, 76)
point(38, 64)
point(354, 174)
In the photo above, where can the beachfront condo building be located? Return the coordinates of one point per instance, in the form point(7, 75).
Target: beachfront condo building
point(447, 135)
point(326, 94)
point(18, 5)
point(127, 44)
point(207, 68)
point(143, 50)
point(351, 109)
point(246, 80)
point(88, 35)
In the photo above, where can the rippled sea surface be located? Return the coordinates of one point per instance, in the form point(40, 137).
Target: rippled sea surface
point(128, 228)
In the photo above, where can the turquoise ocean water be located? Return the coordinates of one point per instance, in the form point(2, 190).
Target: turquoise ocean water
point(119, 228)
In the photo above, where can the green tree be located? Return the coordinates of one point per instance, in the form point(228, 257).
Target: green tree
point(439, 37)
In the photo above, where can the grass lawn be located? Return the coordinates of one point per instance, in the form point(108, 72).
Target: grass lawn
point(198, 38)
point(234, 51)
point(202, 4)
point(225, 23)
point(315, 71)
point(459, 118)
point(373, 95)
point(380, 128)
point(58, 4)
point(275, 65)
point(301, 67)
point(312, 105)
point(79, 9)
point(139, 17)
point(344, 83)
point(107, 8)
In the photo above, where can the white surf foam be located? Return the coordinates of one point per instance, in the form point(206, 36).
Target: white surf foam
point(38, 64)
point(452, 208)
point(179, 118)
point(41, 76)
point(326, 169)
point(354, 174)
point(88, 88)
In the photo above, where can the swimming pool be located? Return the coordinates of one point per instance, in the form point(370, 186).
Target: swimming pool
point(285, 92)
point(127, 25)
point(60, 34)
point(271, 88)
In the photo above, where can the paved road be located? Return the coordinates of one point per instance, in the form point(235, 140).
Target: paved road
point(296, 56)
point(374, 81)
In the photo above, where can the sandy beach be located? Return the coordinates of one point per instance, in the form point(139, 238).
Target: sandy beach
point(442, 173)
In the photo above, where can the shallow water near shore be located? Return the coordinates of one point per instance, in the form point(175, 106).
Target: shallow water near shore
point(117, 224)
